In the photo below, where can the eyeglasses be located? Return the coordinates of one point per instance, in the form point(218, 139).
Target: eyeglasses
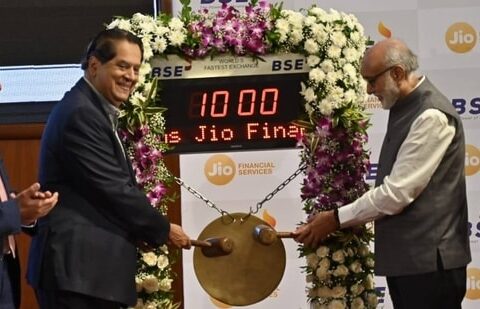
point(373, 79)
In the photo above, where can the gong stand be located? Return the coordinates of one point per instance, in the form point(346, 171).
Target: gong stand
point(239, 259)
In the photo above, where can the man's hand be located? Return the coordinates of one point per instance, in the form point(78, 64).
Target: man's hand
point(178, 238)
point(34, 204)
point(316, 229)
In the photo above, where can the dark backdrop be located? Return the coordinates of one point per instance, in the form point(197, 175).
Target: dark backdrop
point(56, 31)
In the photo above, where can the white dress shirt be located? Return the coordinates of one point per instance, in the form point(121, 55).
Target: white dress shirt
point(417, 159)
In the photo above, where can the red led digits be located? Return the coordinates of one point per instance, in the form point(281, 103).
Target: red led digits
point(269, 95)
point(215, 104)
point(248, 95)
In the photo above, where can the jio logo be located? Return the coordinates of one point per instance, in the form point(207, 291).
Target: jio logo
point(461, 37)
point(472, 160)
point(219, 169)
point(473, 283)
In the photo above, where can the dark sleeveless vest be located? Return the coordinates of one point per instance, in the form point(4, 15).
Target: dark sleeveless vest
point(437, 221)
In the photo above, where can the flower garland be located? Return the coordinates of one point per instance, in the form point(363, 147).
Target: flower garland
point(340, 271)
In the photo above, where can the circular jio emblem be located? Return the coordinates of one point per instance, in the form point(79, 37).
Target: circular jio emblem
point(461, 37)
point(219, 169)
point(472, 160)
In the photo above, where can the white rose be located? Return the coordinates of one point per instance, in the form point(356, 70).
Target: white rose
point(370, 262)
point(357, 303)
point(149, 258)
point(322, 270)
point(337, 304)
point(162, 261)
point(312, 260)
point(324, 292)
point(372, 300)
point(150, 284)
point(166, 284)
point(338, 256)
point(341, 271)
point(322, 251)
point(369, 283)
point(339, 291)
point(356, 267)
point(164, 249)
point(357, 289)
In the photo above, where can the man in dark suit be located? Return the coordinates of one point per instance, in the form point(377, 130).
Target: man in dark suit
point(419, 202)
point(84, 254)
point(15, 211)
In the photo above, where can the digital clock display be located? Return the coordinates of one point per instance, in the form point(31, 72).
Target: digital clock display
point(231, 103)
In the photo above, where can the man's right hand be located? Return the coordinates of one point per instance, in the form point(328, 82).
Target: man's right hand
point(178, 238)
point(34, 204)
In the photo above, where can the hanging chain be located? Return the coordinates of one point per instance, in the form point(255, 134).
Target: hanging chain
point(259, 205)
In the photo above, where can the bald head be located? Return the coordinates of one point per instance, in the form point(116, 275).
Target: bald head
point(390, 52)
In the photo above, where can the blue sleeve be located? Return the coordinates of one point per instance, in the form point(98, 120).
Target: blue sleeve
point(9, 218)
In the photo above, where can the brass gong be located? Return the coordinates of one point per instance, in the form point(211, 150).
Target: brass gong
point(248, 274)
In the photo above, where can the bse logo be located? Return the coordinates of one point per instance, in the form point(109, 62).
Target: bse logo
point(472, 160)
point(473, 283)
point(219, 169)
point(461, 37)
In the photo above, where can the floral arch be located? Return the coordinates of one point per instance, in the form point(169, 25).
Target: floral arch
point(340, 272)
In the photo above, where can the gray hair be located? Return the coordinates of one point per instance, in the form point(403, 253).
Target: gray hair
point(401, 55)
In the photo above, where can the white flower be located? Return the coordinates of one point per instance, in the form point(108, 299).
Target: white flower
point(322, 251)
point(296, 36)
point(339, 39)
point(322, 270)
point(357, 303)
point(341, 271)
point(124, 24)
point(372, 300)
point(311, 46)
point(177, 38)
point(334, 51)
point(369, 283)
point(363, 250)
point(326, 107)
point(339, 291)
point(370, 262)
point(175, 24)
point(149, 258)
point(312, 260)
point(317, 11)
point(317, 75)
point(337, 304)
point(159, 45)
point(338, 256)
point(313, 60)
point(357, 289)
point(166, 284)
point(356, 267)
point(151, 284)
point(327, 66)
point(162, 261)
point(308, 93)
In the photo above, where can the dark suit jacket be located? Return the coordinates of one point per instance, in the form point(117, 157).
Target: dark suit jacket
point(87, 242)
point(9, 224)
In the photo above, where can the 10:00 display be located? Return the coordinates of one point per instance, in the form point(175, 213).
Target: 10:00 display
point(217, 104)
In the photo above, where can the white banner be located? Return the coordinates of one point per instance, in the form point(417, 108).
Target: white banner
point(235, 182)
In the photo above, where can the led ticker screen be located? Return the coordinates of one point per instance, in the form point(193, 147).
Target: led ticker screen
point(221, 113)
